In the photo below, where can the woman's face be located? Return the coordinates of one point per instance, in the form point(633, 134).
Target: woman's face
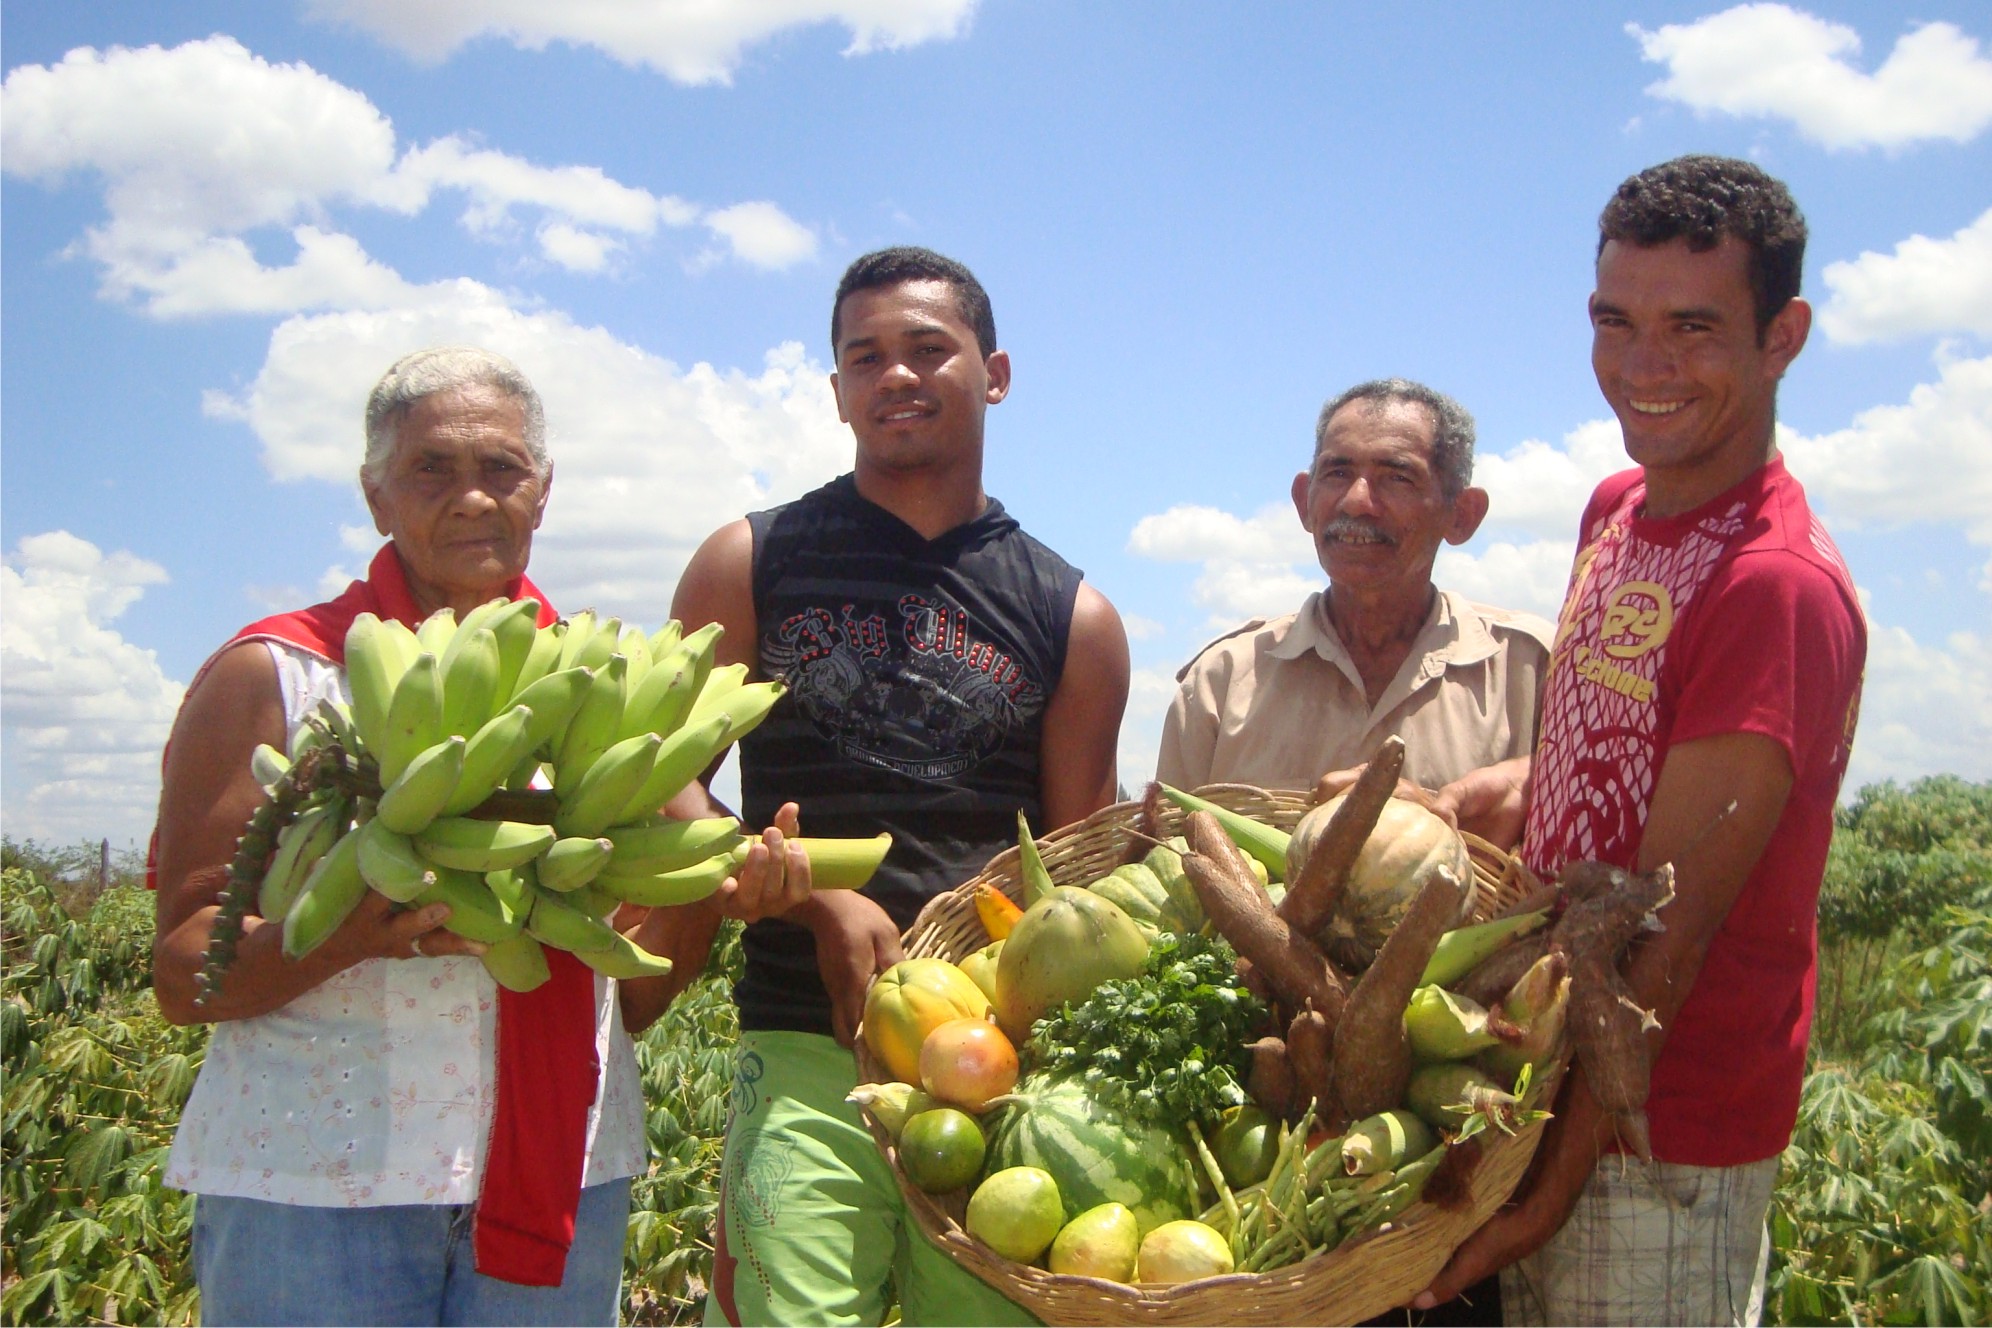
point(461, 497)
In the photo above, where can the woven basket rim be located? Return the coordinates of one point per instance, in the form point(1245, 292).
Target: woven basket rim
point(1400, 1259)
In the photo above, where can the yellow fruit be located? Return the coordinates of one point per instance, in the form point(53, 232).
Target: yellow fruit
point(1182, 1251)
point(910, 1000)
point(1016, 1212)
point(1100, 1242)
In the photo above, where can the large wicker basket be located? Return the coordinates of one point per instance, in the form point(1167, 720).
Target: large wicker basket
point(1357, 1281)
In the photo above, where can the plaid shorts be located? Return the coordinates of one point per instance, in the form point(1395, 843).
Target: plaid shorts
point(1652, 1243)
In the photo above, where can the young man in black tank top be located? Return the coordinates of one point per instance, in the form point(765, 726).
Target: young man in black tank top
point(947, 671)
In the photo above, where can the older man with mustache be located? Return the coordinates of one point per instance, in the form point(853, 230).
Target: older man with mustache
point(1279, 702)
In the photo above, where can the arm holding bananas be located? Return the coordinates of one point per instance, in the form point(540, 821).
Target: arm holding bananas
point(208, 794)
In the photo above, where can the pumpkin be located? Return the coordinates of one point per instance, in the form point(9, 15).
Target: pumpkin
point(1408, 844)
point(910, 1000)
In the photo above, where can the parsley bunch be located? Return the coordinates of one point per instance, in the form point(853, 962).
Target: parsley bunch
point(1168, 1045)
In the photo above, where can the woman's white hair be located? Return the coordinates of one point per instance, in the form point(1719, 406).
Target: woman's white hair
point(444, 369)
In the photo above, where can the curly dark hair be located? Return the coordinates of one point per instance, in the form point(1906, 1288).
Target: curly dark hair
point(890, 267)
point(1703, 198)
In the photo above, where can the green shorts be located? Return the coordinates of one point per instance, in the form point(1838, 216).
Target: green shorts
point(812, 1228)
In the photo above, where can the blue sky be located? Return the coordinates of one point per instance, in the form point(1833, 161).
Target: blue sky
point(1196, 221)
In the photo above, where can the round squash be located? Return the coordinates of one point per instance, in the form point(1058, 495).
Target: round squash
point(1066, 944)
point(910, 1000)
point(1407, 846)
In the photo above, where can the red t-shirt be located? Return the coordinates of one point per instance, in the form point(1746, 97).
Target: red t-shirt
point(1736, 617)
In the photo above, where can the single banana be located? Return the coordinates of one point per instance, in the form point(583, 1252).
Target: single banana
point(373, 667)
point(699, 647)
point(433, 633)
point(516, 963)
point(576, 633)
point(568, 864)
point(666, 845)
point(745, 708)
point(595, 802)
point(659, 703)
point(600, 647)
point(592, 731)
point(470, 680)
point(719, 684)
point(843, 864)
point(476, 912)
point(516, 626)
point(665, 639)
point(683, 886)
point(330, 894)
point(414, 717)
point(513, 886)
point(267, 765)
point(624, 960)
point(482, 846)
point(490, 756)
point(564, 927)
point(681, 758)
point(595, 903)
point(541, 659)
point(634, 646)
point(554, 699)
point(417, 797)
point(390, 863)
point(299, 847)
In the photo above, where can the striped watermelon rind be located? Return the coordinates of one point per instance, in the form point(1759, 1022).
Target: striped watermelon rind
point(1095, 1152)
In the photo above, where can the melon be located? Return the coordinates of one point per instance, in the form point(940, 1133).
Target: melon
point(1096, 1153)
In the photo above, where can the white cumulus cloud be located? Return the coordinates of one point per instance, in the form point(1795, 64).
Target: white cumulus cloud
point(1926, 287)
point(1539, 488)
point(1923, 708)
point(688, 41)
point(1774, 61)
point(649, 457)
point(86, 712)
point(1928, 459)
point(205, 148)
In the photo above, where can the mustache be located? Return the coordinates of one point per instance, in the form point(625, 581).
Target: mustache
point(1348, 527)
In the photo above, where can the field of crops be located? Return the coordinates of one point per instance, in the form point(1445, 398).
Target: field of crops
point(1883, 1212)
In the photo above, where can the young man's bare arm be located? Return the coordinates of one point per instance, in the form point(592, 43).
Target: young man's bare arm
point(1082, 720)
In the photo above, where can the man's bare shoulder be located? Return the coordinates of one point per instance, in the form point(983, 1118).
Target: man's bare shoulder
point(1242, 641)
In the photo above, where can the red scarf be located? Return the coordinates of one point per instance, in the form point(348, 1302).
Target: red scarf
point(547, 1068)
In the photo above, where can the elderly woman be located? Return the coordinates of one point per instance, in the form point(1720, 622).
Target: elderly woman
point(381, 1134)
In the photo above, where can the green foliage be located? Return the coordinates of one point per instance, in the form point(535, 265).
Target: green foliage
point(1171, 1042)
point(1884, 1207)
point(686, 1063)
point(94, 1084)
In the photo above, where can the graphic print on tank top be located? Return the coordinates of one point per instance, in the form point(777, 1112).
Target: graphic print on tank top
point(1599, 756)
point(917, 690)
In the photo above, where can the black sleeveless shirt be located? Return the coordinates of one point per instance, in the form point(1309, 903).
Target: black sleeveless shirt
point(918, 674)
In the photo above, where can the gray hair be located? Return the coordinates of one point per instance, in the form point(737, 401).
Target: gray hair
point(424, 373)
point(1452, 427)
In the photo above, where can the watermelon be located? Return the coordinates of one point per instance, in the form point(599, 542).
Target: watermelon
point(1095, 1153)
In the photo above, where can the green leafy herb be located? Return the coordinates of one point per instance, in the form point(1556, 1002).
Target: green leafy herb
point(1168, 1045)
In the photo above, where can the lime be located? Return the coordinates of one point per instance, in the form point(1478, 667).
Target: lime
point(1016, 1212)
point(1245, 1144)
point(941, 1149)
point(1100, 1242)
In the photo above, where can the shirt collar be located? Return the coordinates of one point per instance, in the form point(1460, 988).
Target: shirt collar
point(1453, 634)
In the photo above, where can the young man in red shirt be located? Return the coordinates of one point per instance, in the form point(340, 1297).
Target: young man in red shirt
point(1703, 688)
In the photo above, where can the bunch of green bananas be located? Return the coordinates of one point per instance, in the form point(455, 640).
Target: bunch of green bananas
point(449, 714)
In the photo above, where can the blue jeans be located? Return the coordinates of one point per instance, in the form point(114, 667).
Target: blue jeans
point(272, 1263)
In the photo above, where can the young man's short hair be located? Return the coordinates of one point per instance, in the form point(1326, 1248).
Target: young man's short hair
point(890, 267)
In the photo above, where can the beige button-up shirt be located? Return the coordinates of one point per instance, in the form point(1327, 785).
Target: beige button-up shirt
point(1279, 703)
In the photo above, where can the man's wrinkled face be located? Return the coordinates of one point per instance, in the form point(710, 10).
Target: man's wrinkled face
point(1373, 501)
